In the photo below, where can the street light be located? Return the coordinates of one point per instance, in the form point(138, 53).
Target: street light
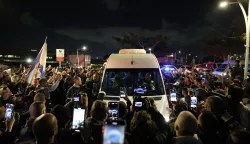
point(189, 54)
point(78, 61)
point(84, 48)
point(149, 49)
point(179, 51)
point(28, 60)
point(247, 24)
point(224, 4)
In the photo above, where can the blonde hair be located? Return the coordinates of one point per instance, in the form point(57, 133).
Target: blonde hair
point(3, 90)
point(15, 78)
point(187, 123)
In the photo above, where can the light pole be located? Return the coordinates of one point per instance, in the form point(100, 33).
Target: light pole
point(247, 23)
point(77, 58)
point(84, 48)
point(78, 61)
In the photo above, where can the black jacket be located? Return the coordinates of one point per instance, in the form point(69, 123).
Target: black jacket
point(74, 90)
point(26, 132)
point(7, 138)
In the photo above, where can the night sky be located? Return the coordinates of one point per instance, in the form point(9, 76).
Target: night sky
point(190, 24)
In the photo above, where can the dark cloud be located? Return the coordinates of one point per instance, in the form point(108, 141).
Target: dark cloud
point(26, 18)
point(112, 4)
point(187, 39)
point(1, 4)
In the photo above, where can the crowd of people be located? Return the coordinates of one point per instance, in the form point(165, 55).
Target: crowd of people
point(43, 112)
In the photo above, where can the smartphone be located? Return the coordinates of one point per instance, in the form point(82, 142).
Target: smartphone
point(138, 104)
point(9, 111)
point(204, 79)
point(193, 102)
point(114, 132)
point(183, 99)
point(76, 99)
point(122, 92)
point(173, 96)
point(78, 118)
point(113, 108)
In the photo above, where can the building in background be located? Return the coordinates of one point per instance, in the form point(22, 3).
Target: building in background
point(27, 58)
point(84, 60)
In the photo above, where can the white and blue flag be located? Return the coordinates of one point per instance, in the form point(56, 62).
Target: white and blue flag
point(37, 70)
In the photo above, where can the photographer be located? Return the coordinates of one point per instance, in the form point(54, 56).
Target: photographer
point(200, 91)
point(94, 124)
point(81, 103)
point(187, 97)
point(227, 123)
point(143, 104)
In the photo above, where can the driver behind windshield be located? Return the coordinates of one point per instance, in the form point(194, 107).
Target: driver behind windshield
point(148, 82)
point(117, 81)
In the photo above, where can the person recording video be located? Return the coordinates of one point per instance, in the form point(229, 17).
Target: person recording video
point(79, 101)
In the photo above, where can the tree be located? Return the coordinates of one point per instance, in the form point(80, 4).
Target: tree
point(221, 47)
point(131, 40)
point(134, 40)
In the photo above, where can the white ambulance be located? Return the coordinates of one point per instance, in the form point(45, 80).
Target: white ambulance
point(129, 69)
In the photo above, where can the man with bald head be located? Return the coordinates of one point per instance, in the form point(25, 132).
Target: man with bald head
point(186, 126)
point(39, 97)
point(36, 109)
point(45, 129)
point(76, 88)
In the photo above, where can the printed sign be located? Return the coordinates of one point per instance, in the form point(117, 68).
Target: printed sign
point(60, 55)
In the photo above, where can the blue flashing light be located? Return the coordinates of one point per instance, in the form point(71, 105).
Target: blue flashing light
point(167, 69)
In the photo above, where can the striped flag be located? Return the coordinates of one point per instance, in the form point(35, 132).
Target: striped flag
point(37, 70)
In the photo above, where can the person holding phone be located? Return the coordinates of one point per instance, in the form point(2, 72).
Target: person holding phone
point(8, 136)
point(94, 124)
point(128, 102)
point(82, 102)
point(200, 91)
point(187, 97)
point(6, 96)
point(173, 96)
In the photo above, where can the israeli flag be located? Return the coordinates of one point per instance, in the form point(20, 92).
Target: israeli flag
point(37, 70)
